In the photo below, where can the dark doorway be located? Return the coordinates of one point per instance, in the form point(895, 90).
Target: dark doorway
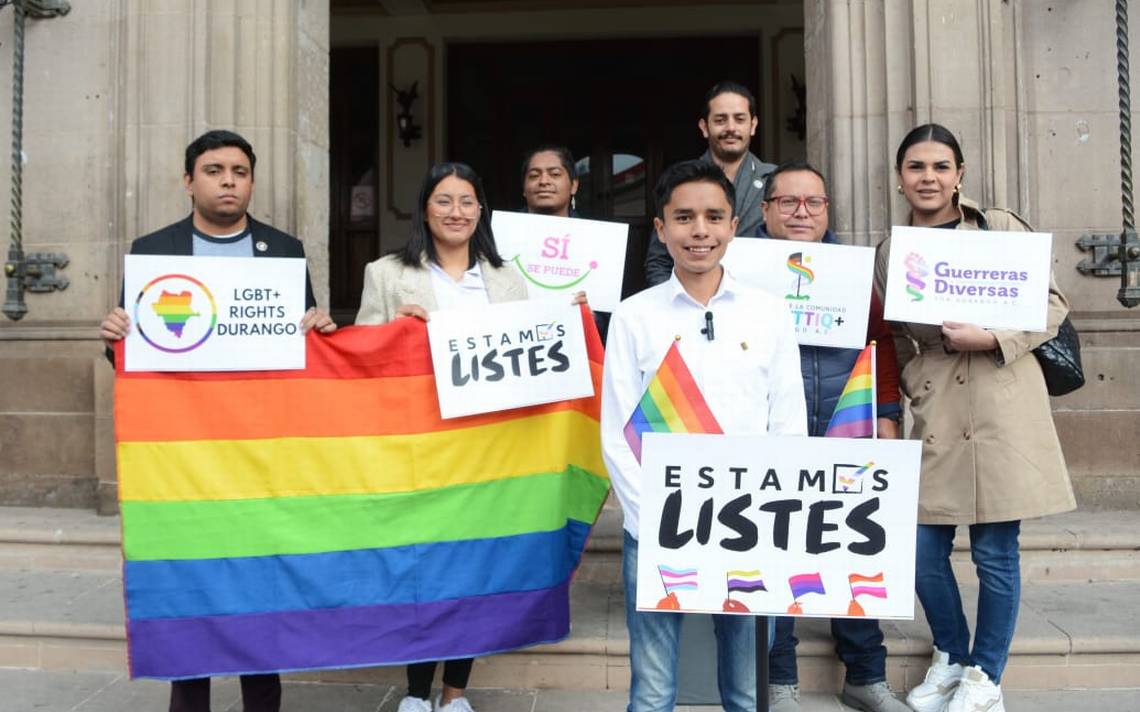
point(354, 227)
point(625, 108)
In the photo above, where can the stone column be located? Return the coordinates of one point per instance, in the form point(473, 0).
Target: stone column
point(881, 68)
point(114, 92)
point(258, 68)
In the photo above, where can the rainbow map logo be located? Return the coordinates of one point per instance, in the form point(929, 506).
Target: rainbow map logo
point(175, 313)
point(916, 272)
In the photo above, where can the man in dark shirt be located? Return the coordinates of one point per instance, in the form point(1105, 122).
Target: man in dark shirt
point(219, 180)
point(729, 123)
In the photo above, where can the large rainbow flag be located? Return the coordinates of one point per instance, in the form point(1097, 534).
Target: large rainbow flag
point(329, 518)
point(672, 403)
point(854, 415)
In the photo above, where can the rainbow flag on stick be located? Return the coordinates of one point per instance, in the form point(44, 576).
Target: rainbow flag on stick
point(854, 415)
point(329, 518)
point(671, 404)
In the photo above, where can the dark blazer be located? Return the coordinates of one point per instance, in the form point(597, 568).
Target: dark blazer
point(178, 239)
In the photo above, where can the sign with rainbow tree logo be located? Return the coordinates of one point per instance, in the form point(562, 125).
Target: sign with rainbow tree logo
point(827, 287)
point(777, 525)
point(214, 313)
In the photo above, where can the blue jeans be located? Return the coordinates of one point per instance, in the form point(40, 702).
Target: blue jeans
point(858, 643)
point(994, 550)
point(654, 641)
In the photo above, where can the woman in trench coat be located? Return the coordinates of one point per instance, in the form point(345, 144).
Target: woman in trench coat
point(990, 455)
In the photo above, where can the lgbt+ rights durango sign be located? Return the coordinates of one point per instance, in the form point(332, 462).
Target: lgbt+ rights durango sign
point(214, 313)
point(778, 525)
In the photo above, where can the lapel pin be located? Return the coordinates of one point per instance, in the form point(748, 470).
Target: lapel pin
point(262, 246)
point(758, 183)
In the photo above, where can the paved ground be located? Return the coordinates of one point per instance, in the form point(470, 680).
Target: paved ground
point(35, 691)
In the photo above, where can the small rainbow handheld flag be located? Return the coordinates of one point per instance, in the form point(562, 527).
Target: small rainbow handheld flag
point(672, 403)
point(854, 415)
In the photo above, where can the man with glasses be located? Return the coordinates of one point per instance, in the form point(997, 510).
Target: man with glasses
point(795, 208)
point(728, 121)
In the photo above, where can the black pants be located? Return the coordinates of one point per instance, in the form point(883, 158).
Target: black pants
point(455, 674)
point(259, 693)
point(858, 643)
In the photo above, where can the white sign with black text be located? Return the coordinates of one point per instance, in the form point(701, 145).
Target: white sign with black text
point(827, 287)
point(778, 525)
point(508, 355)
point(559, 257)
point(214, 313)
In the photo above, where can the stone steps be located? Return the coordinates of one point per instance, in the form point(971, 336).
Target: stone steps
point(110, 692)
point(1072, 547)
point(61, 609)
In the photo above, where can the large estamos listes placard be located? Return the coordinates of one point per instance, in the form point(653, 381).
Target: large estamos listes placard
point(508, 355)
point(560, 256)
point(827, 287)
point(996, 280)
point(214, 313)
point(820, 527)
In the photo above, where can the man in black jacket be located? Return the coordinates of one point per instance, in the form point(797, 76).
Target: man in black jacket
point(219, 181)
point(728, 122)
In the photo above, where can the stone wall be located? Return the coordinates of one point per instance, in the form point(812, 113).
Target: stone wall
point(113, 93)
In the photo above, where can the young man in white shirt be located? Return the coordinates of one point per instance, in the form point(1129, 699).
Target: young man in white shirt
point(740, 346)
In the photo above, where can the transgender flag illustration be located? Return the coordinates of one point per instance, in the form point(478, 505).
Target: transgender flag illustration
point(674, 580)
point(801, 585)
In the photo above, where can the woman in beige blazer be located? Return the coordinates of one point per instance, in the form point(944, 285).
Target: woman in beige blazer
point(449, 261)
point(990, 454)
point(451, 233)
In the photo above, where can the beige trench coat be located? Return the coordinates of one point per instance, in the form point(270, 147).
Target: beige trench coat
point(989, 447)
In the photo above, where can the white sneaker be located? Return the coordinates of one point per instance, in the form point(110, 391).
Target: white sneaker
point(976, 693)
point(414, 704)
point(459, 704)
point(935, 692)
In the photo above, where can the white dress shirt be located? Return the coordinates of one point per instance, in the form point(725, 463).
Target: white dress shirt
point(469, 291)
point(749, 374)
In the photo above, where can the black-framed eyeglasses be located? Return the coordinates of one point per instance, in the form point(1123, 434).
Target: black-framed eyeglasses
point(789, 204)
